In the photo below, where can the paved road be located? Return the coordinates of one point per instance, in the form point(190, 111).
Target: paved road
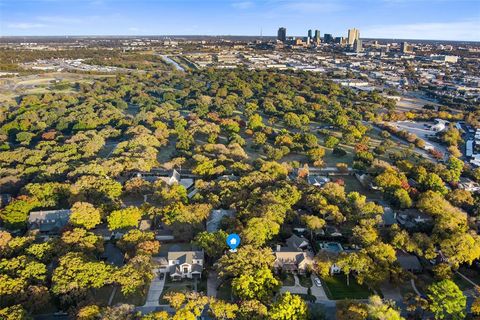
point(155, 290)
point(213, 282)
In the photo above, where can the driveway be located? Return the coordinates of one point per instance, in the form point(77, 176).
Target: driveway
point(318, 292)
point(213, 282)
point(155, 290)
point(297, 288)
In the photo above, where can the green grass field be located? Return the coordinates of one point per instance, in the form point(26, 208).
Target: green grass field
point(336, 288)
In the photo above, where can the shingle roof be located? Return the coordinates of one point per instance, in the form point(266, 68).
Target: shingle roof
point(408, 261)
point(49, 220)
point(185, 256)
point(296, 242)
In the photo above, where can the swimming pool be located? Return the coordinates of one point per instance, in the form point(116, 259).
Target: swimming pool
point(331, 246)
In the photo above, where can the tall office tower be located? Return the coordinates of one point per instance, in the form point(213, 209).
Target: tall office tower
point(353, 34)
point(327, 38)
point(406, 48)
point(357, 45)
point(282, 34)
point(310, 34)
point(317, 37)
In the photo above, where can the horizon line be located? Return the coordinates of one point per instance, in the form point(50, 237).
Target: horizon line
point(205, 35)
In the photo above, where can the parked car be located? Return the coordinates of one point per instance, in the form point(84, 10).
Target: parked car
point(317, 281)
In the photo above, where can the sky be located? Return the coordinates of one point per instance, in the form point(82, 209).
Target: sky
point(400, 19)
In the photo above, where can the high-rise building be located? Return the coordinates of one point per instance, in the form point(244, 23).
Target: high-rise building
point(282, 34)
point(317, 36)
point(357, 45)
point(310, 34)
point(327, 38)
point(353, 34)
point(406, 48)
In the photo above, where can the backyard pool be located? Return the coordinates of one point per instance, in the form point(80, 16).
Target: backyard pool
point(331, 246)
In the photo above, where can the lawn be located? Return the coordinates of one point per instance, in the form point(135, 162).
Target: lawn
point(138, 298)
point(336, 288)
point(305, 281)
point(101, 295)
point(352, 184)
point(183, 285)
point(288, 280)
point(462, 283)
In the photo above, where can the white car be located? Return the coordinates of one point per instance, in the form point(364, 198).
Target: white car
point(317, 281)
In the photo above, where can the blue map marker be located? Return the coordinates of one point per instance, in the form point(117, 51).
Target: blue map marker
point(233, 240)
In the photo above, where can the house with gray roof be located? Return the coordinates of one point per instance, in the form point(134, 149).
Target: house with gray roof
point(297, 243)
point(292, 261)
point(294, 257)
point(409, 262)
point(216, 216)
point(185, 264)
point(51, 221)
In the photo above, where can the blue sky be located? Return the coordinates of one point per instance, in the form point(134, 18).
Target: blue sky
point(407, 19)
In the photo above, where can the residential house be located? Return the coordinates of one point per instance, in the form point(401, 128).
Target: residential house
point(185, 264)
point(294, 257)
point(175, 178)
point(216, 216)
point(317, 181)
point(468, 185)
point(413, 219)
point(389, 217)
point(296, 242)
point(409, 262)
point(292, 261)
point(49, 221)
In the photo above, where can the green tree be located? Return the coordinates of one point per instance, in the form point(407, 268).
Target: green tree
point(261, 285)
point(15, 214)
point(316, 155)
point(313, 223)
point(135, 275)
point(124, 218)
point(223, 310)
point(331, 142)
point(446, 300)
point(90, 312)
point(15, 312)
point(85, 215)
point(255, 122)
point(246, 260)
point(402, 199)
point(83, 240)
point(380, 310)
point(75, 274)
point(289, 307)
point(213, 243)
point(351, 310)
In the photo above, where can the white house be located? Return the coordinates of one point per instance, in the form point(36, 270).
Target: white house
point(185, 264)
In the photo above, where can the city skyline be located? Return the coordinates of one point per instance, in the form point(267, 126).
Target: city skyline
point(413, 19)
